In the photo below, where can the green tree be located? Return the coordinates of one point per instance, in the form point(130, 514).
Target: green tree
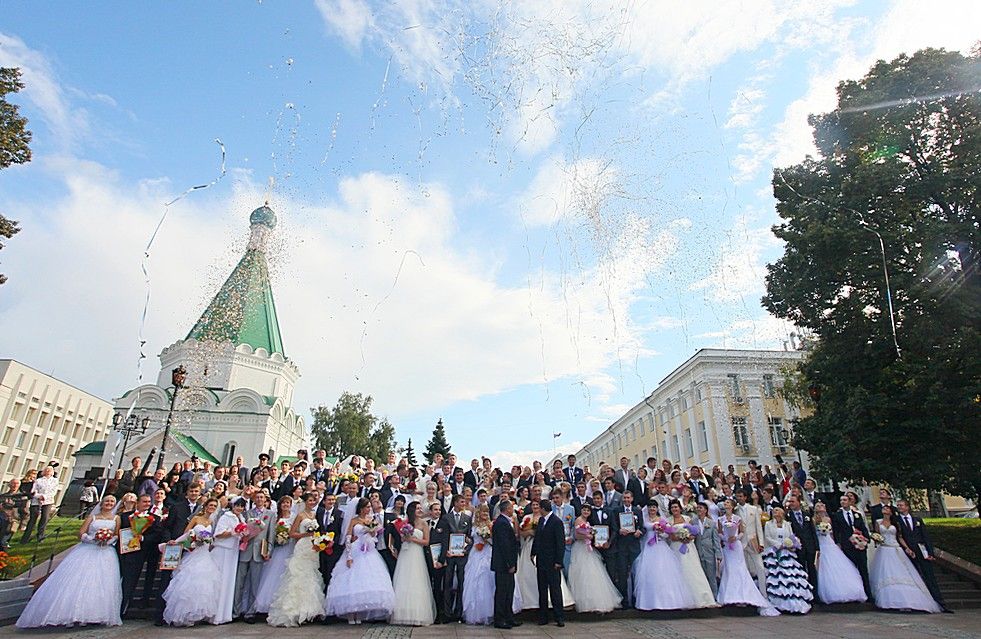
point(900, 157)
point(350, 428)
point(438, 443)
point(410, 454)
point(14, 140)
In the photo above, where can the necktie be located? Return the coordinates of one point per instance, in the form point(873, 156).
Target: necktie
point(800, 518)
point(849, 515)
point(909, 522)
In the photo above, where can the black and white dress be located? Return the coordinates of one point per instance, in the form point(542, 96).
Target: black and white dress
point(787, 587)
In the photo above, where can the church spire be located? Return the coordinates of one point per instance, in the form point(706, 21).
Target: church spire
point(243, 310)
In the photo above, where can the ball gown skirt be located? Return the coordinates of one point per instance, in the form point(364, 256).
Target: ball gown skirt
point(225, 552)
point(272, 576)
point(478, 585)
point(589, 581)
point(363, 591)
point(691, 566)
point(193, 592)
point(659, 580)
point(737, 586)
point(300, 596)
point(838, 579)
point(896, 584)
point(414, 605)
point(526, 580)
point(787, 587)
point(83, 589)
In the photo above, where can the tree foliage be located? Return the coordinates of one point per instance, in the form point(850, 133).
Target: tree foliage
point(900, 156)
point(410, 454)
point(14, 140)
point(349, 428)
point(438, 443)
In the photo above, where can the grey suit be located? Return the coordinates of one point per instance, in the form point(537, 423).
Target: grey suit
point(709, 552)
point(453, 597)
point(250, 562)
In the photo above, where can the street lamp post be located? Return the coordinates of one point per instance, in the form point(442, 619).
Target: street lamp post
point(128, 426)
point(177, 377)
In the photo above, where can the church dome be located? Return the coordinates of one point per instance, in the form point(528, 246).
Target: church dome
point(264, 216)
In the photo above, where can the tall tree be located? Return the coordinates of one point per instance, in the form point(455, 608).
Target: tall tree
point(899, 158)
point(438, 443)
point(350, 428)
point(410, 454)
point(14, 140)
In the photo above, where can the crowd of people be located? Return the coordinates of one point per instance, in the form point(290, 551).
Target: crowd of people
point(310, 540)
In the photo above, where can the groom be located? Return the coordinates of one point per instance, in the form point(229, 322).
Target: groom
point(460, 522)
point(504, 563)
point(548, 552)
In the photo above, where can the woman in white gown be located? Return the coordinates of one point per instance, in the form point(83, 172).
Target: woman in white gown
point(275, 568)
point(659, 579)
point(691, 565)
point(787, 587)
point(838, 580)
point(414, 605)
point(737, 586)
point(526, 578)
point(896, 584)
point(478, 578)
point(193, 593)
point(360, 588)
point(225, 550)
point(85, 587)
point(588, 579)
point(299, 598)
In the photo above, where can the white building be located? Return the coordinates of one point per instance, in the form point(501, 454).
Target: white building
point(45, 419)
point(238, 394)
point(719, 407)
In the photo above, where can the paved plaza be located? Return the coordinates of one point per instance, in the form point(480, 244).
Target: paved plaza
point(817, 625)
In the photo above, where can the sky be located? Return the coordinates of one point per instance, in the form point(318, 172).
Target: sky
point(517, 217)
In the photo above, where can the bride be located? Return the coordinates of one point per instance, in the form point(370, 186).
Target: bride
point(691, 566)
point(737, 586)
point(838, 579)
point(360, 588)
point(91, 568)
point(414, 606)
point(526, 579)
point(300, 595)
point(896, 584)
point(193, 593)
point(275, 568)
point(588, 579)
point(660, 582)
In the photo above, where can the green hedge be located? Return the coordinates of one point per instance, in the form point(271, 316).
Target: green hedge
point(20, 554)
point(961, 537)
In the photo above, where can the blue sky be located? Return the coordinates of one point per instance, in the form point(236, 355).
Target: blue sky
point(518, 217)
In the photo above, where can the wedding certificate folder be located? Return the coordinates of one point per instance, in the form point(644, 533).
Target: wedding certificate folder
point(627, 522)
point(601, 535)
point(126, 537)
point(435, 550)
point(458, 545)
point(170, 558)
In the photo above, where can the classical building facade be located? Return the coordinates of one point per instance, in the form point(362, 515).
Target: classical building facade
point(238, 394)
point(45, 419)
point(719, 407)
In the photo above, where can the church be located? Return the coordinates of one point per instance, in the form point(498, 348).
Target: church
point(236, 398)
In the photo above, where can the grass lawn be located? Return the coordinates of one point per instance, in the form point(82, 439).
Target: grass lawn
point(961, 537)
point(21, 554)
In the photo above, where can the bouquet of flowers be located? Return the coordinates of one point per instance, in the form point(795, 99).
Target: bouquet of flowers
point(685, 534)
point(791, 543)
point(823, 528)
point(764, 517)
point(309, 525)
point(404, 528)
point(103, 536)
point(730, 534)
point(282, 532)
point(372, 526)
point(858, 540)
point(485, 533)
point(690, 507)
point(198, 538)
point(877, 538)
point(662, 530)
point(323, 542)
point(138, 524)
point(528, 523)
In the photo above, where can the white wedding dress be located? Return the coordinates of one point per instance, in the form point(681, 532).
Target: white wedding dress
point(273, 572)
point(362, 591)
point(896, 584)
point(225, 551)
point(414, 605)
point(193, 593)
point(478, 584)
point(838, 580)
point(589, 581)
point(737, 586)
point(83, 589)
point(526, 580)
point(659, 579)
point(691, 566)
point(300, 597)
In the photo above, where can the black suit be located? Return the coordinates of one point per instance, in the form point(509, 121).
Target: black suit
point(504, 563)
point(914, 536)
point(438, 534)
point(573, 475)
point(173, 527)
point(286, 486)
point(875, 512)
point(636, 488)
point(548, 552)
point(842, 532)
point(471, 479)
point(602, 517)
point(455, 566)
point(808, 543)
point(388, 531)
point(628, 549)
point(330, 522)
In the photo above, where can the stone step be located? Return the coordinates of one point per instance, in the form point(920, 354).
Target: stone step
point(963, 604)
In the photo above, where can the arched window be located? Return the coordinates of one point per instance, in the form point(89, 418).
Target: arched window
point(228, 454)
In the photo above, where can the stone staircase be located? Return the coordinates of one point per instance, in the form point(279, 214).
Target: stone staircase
point(961, 591)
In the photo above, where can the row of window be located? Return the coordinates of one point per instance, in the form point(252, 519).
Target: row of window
point(741, 433)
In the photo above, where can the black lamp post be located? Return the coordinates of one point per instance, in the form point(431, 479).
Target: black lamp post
point(128, 426)
point(177, 377)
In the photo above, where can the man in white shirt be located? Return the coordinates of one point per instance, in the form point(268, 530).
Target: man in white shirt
point(42, 500)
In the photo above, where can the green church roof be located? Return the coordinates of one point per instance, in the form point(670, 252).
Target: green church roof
point(243, 310)
point(194, 447)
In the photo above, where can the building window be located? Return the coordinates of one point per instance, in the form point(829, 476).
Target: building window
point(31, 412)
point(34, 441)
point(769, 390)
point(47, 446)
point(740, 432)
point(20, 439)
point(689, 446)
point(12, 464)
point(776, 432)
point(17, 412)
point(6, 435)
point(651, 419)
point(698, 394)
point(57, 452)
point(677, 449)
point(734, 384)
point(684, 403)
point(643, 454)
point(703, 438)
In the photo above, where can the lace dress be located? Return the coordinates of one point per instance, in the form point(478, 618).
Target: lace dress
point(787, 587)
point(737, 586)
point(193, 593)
point(83, 589)
point(896, 584)
point(659, 580)
point(589, 581)
point(273, 572)
point(300, 597)
point(362, 591)
point(414, 605)
point(838, 579)
point(478, 584)
point(691, 566)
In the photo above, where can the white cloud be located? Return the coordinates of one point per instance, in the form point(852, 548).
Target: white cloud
point(350, 19)
point(505, 459)
point(740, 269)
point(764, 332)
